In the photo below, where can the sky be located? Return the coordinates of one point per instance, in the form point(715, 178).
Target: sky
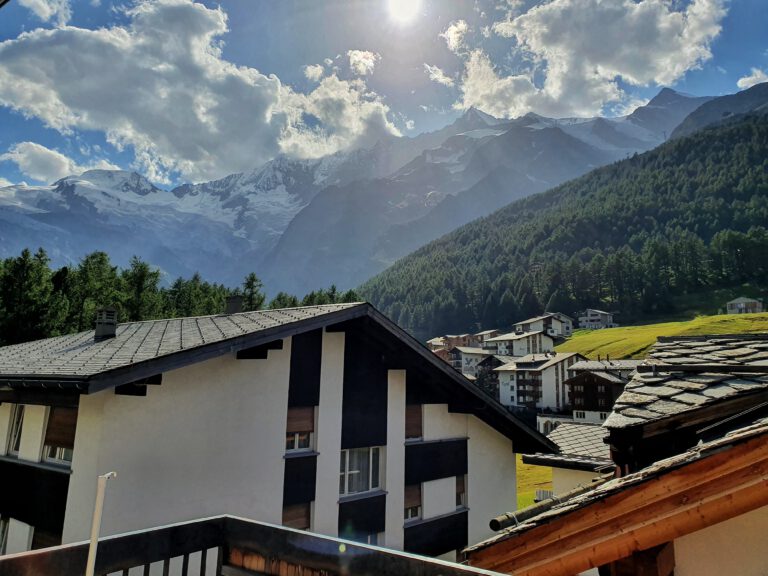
point(184, 91)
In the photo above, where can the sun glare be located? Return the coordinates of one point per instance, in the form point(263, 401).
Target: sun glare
point(403, 11)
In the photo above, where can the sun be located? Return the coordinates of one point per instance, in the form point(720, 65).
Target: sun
point(403, 12)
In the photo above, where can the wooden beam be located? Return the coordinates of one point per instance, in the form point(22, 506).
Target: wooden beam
point(683, 500)
point(131, 390)
point(35, 396)
point(259, 352)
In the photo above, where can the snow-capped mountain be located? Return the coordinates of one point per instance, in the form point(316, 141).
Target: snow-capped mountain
point(304, 224)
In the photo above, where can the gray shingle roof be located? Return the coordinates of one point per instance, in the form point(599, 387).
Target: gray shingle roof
point(606, 365)
point(78, 355)
point(580, 446)
point(683, 374)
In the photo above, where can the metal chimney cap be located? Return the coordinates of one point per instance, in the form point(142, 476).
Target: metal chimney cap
point(106, 323)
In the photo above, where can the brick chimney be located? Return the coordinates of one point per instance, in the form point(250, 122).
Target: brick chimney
point(106, 324)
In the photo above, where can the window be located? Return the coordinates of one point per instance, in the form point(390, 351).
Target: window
point(297, 516)
point(603, 415)
point(60, 435)
point(579, 415)
point(461, 491)
point(412, 502)
point(14, 438)
point(300, 432)
point(360, 470)
point(601, 402)
point(414, 421)
point(602, 388)
point(578, 388)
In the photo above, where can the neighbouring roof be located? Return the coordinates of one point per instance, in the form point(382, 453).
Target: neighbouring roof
point(683, 374)
point(471, 350)
point(598, 311)
point(77, 364)
point(609, 377)
point(580, 445)
point(514, 336)
point(534, 319)
point(751, 437)
point(484, 332)
point(744, 300)
point(605, 365)
point(436, 340)
point(543, 361)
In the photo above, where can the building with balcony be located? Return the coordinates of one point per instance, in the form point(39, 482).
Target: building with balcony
point(537, 381)
point(593, 319)
point(551, 323)
point(327, 418)
point(520, 343)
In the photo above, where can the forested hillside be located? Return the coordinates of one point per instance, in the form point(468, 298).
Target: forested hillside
point(688, 216)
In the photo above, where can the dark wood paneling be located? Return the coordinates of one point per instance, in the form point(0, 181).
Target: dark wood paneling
point(33, 495)
point(364, 404)
point(306, 356)
point(301, 419)
point(425, 461)
point(362, 516)
point(413, 420)
point(300, 479)
point(259, 352)
point(60, 430)
point(438, 536)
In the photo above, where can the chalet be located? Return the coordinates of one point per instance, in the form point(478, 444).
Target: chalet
point(537, 381)
point(689, 441)
point(582, 455)
point(520, 344)
point(551, 323)
point(596, 319)
point(744, 306)
point(595, 385)
point(437, 343)
point(325, 418)
point(486, 376)
point(465, 359)
point(481, 337)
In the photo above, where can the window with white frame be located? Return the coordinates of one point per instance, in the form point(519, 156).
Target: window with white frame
point(60, 435)
point(412, 501)
point(300, 431)
point(579, 415)
point(14, 438)
point(360, 470)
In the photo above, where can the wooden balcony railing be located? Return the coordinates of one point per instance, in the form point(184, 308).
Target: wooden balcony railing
point(225, 546)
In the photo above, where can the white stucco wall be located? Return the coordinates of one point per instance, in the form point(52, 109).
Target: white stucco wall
point(33, 433)
point(564, 480)
point(507, 395)
point(208, 441)
point(395, 459)
point(548, 388)
point(438, 497)
point(439, 424)
point(328, 435)
point(492, 481)
point(19, 538)
point(736, 546)
point(5, 425)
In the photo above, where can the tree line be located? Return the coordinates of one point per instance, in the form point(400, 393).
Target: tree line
point(38, 301)
point(633, 237)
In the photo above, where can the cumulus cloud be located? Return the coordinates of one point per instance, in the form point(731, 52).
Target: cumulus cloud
point(454, 35)
point(45, 165)
point(314, 72)
point(583, 47)
point(362, 62)
point(756, 76)
point(160, 85)
point(436, 74)
point(4, 182)
point(57, 11)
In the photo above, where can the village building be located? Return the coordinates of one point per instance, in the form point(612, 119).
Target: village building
point(537, 381)
point(481, 337)
point(594, 386)
point(325, 418)
point(551, 323)
point(689, 444)
point(593, 319)
point(744, 305)
point(465, 359)
point(520, 344)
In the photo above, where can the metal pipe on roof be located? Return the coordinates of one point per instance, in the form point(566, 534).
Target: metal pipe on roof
point(514, 518)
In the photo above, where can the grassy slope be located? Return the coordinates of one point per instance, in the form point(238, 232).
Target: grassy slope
point(529, 479)
point(634, 341)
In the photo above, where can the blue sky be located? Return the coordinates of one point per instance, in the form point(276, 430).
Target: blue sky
point(184, 91)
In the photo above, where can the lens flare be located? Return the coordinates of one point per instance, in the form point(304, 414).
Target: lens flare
point(403, 12)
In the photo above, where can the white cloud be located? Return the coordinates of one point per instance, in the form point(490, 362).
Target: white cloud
point(160, 86)
point(410, 124)
point(46, 165)
point(583, 47)
point(362, 62)
point(314, 72)
point(56, 11)
point(454, 35)
point(436, 74)
point(5, 182)
point(756, 76)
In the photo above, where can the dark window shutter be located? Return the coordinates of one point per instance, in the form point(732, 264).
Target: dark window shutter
point(412, 495)
point(297, 516)
point(460, 484)
point(301, 419)
point(413, 421)
point(61, 427)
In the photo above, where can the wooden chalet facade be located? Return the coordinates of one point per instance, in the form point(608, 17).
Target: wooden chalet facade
point(595, 385)
point(325, 418)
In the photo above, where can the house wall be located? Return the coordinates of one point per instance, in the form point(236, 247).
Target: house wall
point(564, 480)
point(736, 546)
point(395, 466)
point(5, 425)
point(208, 441)
point(33, 433)
point(507, 394)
